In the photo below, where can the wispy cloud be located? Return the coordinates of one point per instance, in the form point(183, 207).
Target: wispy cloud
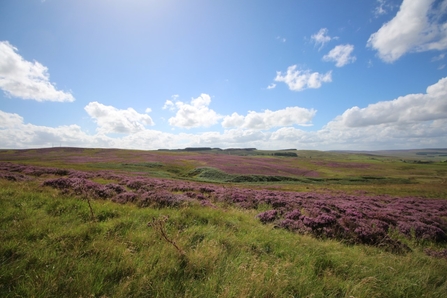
point(383, 7)
point(281, 39)
point(321, 38)
point(298, 80)
point(438, 58)
point(341, 55)
point(27, 80)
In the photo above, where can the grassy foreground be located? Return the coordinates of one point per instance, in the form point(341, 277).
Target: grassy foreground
point(80, 222)
point(51, 246)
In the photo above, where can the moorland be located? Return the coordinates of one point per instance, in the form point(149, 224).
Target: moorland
point(207, 222)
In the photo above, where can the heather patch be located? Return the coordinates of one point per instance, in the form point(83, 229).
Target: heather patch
point(33, 170)
point(12, 176)
point(84, 187)
point(52, 247)
point(215, 239)
point(352, 218)
point(441, 254)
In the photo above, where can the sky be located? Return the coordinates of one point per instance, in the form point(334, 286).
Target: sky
point(147, 74)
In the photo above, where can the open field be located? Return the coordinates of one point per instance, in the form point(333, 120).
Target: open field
point(222, 223)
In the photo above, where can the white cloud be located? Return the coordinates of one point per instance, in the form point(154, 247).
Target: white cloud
point(282, 39)
point(409, 121)
point(233, 138)
point(383, 7)
point(333, 136)
point(8, 120)
point(322, 37)
point(152, 139)
point(415, 28)
point(298, 80)
point(14, 133)
point(341, 54)
point(422, 134)
point(269, 119)
point(169, 105)
point(195, 114)
point(27, 80)
point(271, 86)
point(113, 120)
point(380, 8)
point(438, 58)
point(233, 120)
point(405, 109)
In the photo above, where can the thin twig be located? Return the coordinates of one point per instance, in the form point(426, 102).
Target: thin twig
point(159, 224)
point(91, 209)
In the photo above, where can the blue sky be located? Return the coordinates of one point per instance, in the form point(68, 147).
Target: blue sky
point(146, 74)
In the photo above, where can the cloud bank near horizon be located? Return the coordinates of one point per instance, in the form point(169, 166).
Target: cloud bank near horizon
point(409, 121)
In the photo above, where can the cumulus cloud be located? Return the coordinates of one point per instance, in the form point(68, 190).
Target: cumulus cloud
point(14, 133)
point(424, 134)
point(333, 136)
point(405, 109)
point(149, 139)
point(113, 120)
point(298, 80)
point(169, 105)
point(269, 119)
point(409, 121)
point(233, 120)
point(341, 55)
point(417, 27)
point(321, 38)
point(27, 80)
point(8, 120)
point(232, 138)
point(193, 114)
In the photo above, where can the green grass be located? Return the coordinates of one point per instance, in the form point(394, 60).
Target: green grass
point(391, 174)
point(209, 174)
point(51, 247)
